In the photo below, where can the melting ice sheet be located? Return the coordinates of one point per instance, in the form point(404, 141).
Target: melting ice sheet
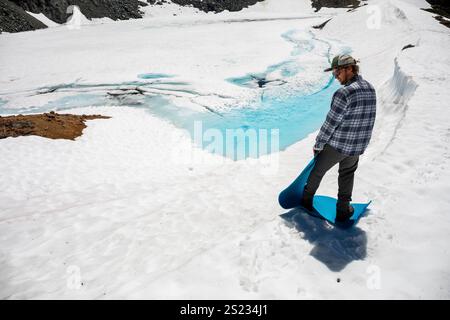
point(248, 131)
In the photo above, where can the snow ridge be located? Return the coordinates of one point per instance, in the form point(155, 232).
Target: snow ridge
point(394, 95)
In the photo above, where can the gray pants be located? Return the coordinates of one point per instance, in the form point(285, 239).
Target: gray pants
point(325, 160)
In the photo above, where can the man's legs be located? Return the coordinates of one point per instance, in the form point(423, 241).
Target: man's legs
point(326, 159)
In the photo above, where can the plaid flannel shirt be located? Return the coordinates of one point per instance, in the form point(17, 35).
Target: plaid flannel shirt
point(349, 123)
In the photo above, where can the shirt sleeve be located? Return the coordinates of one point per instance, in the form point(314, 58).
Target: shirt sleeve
point(333, 119)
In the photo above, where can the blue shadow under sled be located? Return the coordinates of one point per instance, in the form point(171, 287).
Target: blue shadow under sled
point(324, 207)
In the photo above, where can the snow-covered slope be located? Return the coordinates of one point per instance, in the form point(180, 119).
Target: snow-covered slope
point(119, 213)
point(42, 18)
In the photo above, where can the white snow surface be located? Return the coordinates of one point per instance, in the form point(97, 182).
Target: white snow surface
point(44, 19)
point(118, 214)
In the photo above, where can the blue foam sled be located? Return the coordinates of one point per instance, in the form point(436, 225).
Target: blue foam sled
point(324, 206)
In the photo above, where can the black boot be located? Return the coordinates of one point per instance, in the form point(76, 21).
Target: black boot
point(344, 213)
point(307, 202)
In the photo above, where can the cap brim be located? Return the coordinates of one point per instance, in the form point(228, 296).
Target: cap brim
point(328, 69)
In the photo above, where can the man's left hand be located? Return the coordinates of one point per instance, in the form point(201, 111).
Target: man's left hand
point(316, 151)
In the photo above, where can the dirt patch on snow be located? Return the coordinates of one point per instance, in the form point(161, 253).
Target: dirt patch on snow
point(48, 125)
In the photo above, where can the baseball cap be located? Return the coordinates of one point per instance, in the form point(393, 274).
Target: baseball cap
point(342, 60)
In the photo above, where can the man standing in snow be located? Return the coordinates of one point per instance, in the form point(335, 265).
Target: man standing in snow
point(345, 134)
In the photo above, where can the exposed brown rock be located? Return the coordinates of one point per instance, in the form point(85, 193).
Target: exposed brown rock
point(48, 125)
point(320, 26)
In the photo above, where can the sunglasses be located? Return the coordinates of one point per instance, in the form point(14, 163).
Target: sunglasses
point(336, 72)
